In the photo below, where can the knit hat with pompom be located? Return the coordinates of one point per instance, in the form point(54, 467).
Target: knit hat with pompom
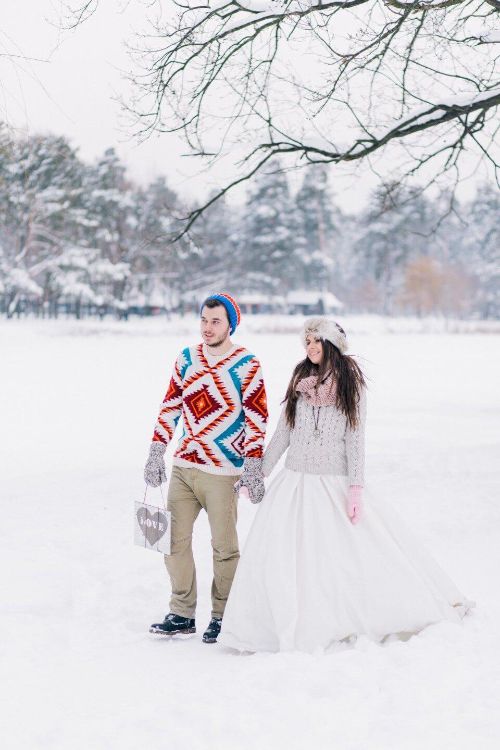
point(232, 309)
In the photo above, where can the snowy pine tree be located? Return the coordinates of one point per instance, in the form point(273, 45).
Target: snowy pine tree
point(481, 249)
point(319, 229)
point(269, 243)
point(43, 184)
point(394, 230)
point(217, 236)
point(162, 267)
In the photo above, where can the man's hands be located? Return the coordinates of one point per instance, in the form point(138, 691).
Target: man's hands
point(252, 479)
point(154, 471)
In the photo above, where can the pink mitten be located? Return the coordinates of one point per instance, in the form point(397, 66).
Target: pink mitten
point(243, 493)
point(354, 502)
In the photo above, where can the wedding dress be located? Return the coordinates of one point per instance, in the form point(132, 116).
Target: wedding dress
point(308, 579)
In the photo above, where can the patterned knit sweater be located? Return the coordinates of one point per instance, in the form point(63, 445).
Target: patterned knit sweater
point(222, 401)
point(335, 449)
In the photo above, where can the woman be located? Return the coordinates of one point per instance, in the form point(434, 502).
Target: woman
point(318, 568)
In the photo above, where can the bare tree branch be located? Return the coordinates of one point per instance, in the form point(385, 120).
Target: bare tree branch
point(335, 82)
point(76, 15)
point(364, 148)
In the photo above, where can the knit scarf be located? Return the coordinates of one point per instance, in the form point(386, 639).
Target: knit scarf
point(324, 395)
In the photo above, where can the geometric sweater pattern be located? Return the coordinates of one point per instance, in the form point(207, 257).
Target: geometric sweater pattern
point(223, 407)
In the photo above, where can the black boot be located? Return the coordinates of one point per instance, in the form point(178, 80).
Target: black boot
point(211, 633)
point(173, 624)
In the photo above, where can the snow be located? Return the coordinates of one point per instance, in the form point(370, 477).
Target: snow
point(18, 278)
point(256, 298)
point(80, 671)
point(428, 114)
point(311, 297)
point(492, 36)
point(434, 111)
point(259, 6)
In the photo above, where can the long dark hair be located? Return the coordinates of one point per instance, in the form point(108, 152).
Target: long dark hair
point(347, 377)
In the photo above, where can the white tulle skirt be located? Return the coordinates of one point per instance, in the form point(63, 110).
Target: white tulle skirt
point(309, 580)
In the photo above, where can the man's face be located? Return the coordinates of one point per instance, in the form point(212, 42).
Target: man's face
point(214, 325)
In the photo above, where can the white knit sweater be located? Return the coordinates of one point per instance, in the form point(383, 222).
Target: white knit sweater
point(337, 449)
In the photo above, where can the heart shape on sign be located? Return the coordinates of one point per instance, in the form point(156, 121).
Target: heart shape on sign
point(153, 525)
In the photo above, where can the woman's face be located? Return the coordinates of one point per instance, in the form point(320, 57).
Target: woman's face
point(314, 349)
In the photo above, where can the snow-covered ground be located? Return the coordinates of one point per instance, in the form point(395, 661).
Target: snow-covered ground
point(78, 402)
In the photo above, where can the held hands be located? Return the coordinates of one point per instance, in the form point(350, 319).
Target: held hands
point(251, 481)
point(154, 471)
point(354, 502)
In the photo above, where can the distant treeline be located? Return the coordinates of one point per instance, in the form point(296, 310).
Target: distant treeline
point(84, 239)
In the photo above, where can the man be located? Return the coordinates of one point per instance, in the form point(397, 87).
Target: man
point(218, 389)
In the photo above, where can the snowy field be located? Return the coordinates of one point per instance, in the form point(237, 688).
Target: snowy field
point(80, 671)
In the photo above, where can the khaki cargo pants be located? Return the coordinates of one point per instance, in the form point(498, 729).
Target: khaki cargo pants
point(189, 491)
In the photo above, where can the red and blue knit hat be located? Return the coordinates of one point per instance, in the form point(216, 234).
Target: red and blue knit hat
point(232, 309)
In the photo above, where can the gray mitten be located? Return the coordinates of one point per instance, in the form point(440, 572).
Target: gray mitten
point(253, 479)
point(154, 471)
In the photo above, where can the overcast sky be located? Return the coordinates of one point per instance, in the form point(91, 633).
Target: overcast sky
point(70, 84)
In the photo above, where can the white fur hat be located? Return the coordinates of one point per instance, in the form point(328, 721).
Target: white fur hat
point(324, 328)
